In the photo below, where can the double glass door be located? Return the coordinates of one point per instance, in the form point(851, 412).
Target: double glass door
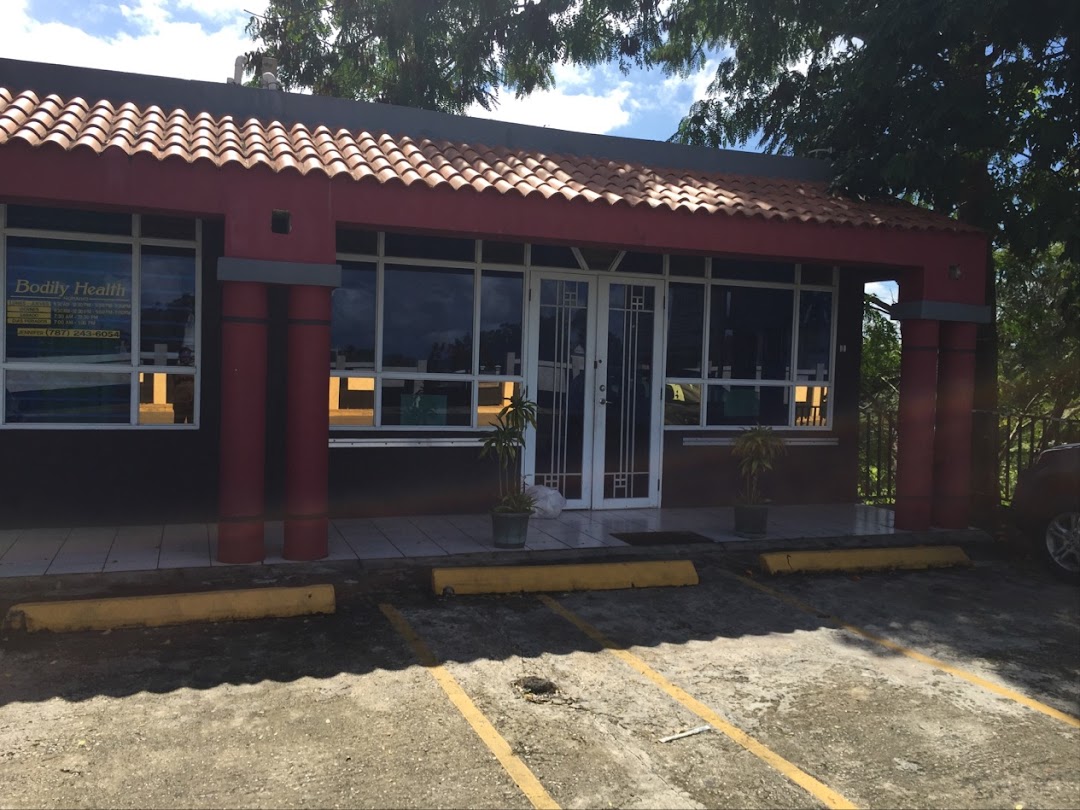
point(595, 344)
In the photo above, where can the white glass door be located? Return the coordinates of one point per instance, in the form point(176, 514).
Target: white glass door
point(594, 349)
point(628, 423)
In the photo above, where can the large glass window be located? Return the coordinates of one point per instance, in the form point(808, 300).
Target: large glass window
point(744, 349)
point(424, 336)
point(427, 333)
point(429, 319)
point(93, 314)
point(68, 302)
point(750, 333)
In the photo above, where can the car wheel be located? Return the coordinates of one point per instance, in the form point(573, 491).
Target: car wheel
point(1061, 543)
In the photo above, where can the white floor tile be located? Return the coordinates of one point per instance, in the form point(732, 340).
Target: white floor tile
point(413, 546)
point(184, 560)
point(33, 549)
point(77, 564)
point(374, 548)
point(23, 569)
point(460, 545)
point(133, 548)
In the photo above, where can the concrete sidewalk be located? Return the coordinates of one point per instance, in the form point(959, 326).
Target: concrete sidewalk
point(802, 527)
point(86, 550)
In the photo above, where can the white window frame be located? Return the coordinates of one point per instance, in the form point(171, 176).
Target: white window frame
point(474, 377)
point(135, 367)
point(708, 284)
point(380, 259)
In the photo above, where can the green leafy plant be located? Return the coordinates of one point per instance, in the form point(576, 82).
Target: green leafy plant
point(757, 449)
point(505, 443)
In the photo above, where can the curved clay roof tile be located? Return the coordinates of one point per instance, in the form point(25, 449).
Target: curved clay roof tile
point(101, 124)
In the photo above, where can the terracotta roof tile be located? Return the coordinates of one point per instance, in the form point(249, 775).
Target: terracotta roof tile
point(363, 156)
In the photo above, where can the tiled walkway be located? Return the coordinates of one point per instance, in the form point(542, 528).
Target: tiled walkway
point(33, 552)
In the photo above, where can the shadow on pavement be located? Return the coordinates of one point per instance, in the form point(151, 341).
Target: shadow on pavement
point(1009, 615)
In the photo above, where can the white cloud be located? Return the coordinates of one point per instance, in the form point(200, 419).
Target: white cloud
point(595, 112)
point(165, 47)
point(596, 100)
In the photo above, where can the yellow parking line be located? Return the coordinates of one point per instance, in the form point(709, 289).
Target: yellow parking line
point(970, 677)
point(823, 793)
point(512, 764)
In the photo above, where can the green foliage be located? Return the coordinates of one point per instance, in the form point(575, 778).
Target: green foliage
point(757, 449)
point(505, 443)
point(515, 503)
point(1039, 328)
point(968, 106)
point(879, 378)
point(444, 55)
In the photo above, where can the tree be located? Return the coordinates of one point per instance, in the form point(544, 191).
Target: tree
point(879, 376)
point(440, 54)
point(1039, 327)
point(969, 107)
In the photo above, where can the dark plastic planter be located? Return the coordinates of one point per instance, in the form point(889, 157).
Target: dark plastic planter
point(751, 520)
point(509, 528)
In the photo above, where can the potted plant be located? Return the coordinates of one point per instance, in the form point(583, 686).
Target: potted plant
point(757, 448)
point(510, 516)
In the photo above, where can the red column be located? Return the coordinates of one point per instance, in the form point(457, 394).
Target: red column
point(952, 440)
point(915, 442)
point(307, 431)
point(243, 421)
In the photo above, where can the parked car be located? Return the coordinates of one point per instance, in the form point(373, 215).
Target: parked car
point(1046, 508)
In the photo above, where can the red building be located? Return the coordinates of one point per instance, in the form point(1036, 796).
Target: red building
point(230, 303)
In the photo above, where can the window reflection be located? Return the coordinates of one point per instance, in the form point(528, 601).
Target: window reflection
point(167, 309)
point(67, 397)
point(68, 302)
point(166, 399)
point(750, 333)
point(352, 401)
point(352, 320)
point(686, 324)
point(426, 402)
point(815, 335)
point(811, 405)
point(492, 396)
point(428, 315)
point(500, 322)
point(682, 404)
point(747, 405)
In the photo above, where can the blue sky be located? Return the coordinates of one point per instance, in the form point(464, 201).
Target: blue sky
point(200, 39)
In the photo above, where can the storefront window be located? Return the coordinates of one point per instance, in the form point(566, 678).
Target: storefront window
point(74, 308)
point(68, 301)
point(352, 322)
point(425, 336)
point(428, 332)
point(167, 316)
point(501, 296)
point(428, 319)
point(35, 397)
point(770, 343)
point(750, 333)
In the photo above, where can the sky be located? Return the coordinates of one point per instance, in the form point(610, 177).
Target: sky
point(200, 39)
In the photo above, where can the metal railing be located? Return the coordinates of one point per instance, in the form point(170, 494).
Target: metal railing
point(1023, 437)
point(877, 456)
